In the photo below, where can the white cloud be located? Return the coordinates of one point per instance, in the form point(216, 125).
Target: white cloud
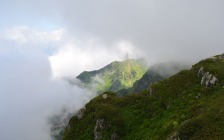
point(29, 95)
point(26, 35)
point(77, 56)
point(68, 55)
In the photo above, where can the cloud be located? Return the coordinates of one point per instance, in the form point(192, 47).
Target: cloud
point(29, 95)
point(185, 30)
point(68, 55)
point(76, 56)
point(25, 35)
point(32, 88)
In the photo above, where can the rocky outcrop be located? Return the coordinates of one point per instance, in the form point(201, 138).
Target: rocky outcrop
point(201, 71)
point(80, 113)
point(207, 79)
point(104, 96)
point(114, 136)
point(198, 96)
point(175, 136)
point(98, 129)
point(101, 126)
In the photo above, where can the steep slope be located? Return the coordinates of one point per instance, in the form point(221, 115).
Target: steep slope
point(154, 74)
point(188, 105)
point(114, 76)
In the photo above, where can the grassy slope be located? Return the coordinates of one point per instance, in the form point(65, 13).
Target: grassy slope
point(172, 109)
point(154, 74)
point(115, 76)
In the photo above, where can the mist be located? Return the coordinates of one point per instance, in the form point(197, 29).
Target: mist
point(29, 96)
point(163, 30)
point(42, 42)
point(33, 86)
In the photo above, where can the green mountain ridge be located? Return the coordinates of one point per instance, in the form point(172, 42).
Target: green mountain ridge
point(188, 105)
point(155, 73)
point(115, 76)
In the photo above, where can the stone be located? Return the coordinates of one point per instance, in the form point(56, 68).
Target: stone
point(98, 129)
point(114, 136)
point(104, 96)
point(213, 81)
point(175, 136)
point(206, 74)
point(202, 80)
point(207, 78)
point(206, 83)
point(198, 96)
point(201, 71)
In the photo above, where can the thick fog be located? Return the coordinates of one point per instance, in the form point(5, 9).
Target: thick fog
point(29, 96)
point(33, 86)
point(162, 29)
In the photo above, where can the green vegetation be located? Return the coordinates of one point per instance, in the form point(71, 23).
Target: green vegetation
point(178, 107)
point(154, 74)
point(115, 76)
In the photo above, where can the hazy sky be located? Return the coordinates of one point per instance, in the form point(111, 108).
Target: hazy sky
point(159, 29)
point(42, 41)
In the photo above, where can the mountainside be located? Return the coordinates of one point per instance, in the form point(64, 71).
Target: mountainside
point(154, 74)
point(188, 105)
point(115, 76)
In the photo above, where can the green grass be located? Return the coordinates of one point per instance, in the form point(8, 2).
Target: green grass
point(115, 76)
point(173, 108)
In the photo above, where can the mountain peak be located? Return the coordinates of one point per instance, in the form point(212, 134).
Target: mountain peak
point(184, 106)
point(114, 76)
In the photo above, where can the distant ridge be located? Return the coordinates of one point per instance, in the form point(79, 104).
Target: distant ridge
point(115, 76)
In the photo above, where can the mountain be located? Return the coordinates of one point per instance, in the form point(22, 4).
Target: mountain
point(115, 76)
point(186, 106)
point(154, 74)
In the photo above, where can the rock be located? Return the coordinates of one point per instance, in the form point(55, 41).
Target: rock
point(206, 74)
point(174, 137)
point(213, 81)
point(104, 96)
point(207, 78)
point(206, 83)
point(201, 71)
point(98, 129)
point(114, 136)
point(202, 80)
point(198, 96)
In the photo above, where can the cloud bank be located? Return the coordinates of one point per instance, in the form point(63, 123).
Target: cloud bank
point(33, 65)
point(188, 30)
point(29, 96)
point(75, 57)
point(184, 30)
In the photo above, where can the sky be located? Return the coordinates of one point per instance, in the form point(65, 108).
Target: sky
point(43, 41)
